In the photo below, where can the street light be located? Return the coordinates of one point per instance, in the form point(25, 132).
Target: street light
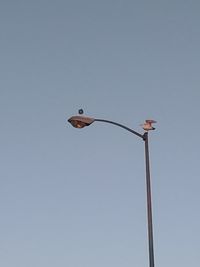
point(82, 121)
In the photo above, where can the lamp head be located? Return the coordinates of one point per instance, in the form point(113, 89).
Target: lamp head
point(80, 121)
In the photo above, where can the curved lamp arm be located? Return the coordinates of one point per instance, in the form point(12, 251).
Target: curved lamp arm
point(82, 121)
point(122, 126)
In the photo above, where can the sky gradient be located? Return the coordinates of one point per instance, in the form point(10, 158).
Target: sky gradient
point(77, 198)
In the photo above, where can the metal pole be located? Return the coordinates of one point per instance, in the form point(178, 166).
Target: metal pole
point(149, 204)
point(88, 121)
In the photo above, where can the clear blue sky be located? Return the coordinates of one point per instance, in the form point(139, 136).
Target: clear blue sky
point(76, 198)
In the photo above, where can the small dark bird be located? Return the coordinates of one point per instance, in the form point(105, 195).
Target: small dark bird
point(80, 111)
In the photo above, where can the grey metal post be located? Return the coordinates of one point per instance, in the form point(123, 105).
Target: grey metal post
point(80, 122)
point(149, 204)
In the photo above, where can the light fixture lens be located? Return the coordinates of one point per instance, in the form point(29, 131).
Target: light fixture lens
point(80, 121)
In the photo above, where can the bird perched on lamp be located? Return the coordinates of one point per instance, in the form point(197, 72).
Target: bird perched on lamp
point(147, 126)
